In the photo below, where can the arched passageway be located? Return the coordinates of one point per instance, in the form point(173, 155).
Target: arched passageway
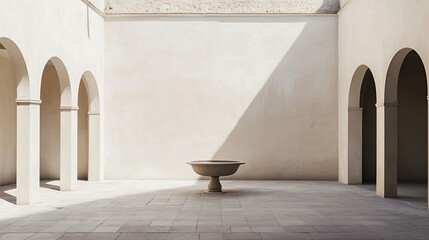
point(361, 127)
point(412, 120)
point(7, 119)
point(406, 123)
point(90, 166)
point(19, 138)
point(58, 120)
point(369, 133)
point(82, 147)
point(50, 124)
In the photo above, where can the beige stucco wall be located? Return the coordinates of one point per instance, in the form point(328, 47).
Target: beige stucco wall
point(371, 33)
point(68, 30)
point(258, 89)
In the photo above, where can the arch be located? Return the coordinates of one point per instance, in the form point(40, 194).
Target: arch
point(392, 76)
point(356, 85)
point(50, 121)
point(406, 71)
point(25, 109)
point(8, 123)
point(83, 132)
point(355, 124)
point(20, 67)
point(64, 80)
point(89, 129)
point(92, 89)
point(58, 126)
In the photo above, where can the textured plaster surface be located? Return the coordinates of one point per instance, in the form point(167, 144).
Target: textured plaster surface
point(261, 90)
point(221, 6)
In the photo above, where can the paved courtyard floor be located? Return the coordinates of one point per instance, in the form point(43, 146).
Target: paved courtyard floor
point(247, 210)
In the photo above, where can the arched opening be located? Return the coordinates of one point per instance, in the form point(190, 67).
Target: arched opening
point(8, 119)
point(361, 127)
point(90, 166)
point(406, 126)
point(82, 147)
point(57, 136)
point(16, 163)
point(50, 124)
point(412, 122)
point(369, 121)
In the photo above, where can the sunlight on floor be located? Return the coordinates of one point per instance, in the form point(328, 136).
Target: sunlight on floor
point(246, 210)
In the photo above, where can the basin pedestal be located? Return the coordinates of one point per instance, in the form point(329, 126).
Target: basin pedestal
point(214, 185)
point(215, 169)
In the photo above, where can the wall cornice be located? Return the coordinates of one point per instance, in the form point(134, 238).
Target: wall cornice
point(220, 7)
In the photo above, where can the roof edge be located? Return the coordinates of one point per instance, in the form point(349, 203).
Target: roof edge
point(221, 7)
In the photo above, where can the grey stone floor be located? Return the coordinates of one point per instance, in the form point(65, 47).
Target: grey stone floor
point(247, 210)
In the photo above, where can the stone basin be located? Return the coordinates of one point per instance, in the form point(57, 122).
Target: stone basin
point(215, 169)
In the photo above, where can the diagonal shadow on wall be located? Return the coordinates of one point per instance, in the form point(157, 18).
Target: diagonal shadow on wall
point(291, 124)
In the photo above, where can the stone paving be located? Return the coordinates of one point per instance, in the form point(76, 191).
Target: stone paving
point(247, 210)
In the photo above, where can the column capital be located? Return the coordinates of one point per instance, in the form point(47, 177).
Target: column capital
point(68, 108)
point(28, 101)
point(387, 104)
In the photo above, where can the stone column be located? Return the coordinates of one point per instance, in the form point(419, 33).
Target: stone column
point(27, 151)
point(95, 166)
point(68, 148)
point(355, 145)
point(387, 154)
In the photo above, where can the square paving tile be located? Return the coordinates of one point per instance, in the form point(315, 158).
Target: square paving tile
point(254, 210)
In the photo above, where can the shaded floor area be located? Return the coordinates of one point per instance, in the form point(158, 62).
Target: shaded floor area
point(247, 210)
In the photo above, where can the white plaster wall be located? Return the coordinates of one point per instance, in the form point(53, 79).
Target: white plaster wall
point(44, 29)
point(371, 33)
point(258, 89)
point(100, 4)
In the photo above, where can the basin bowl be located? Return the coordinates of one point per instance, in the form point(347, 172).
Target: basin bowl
point(215, 169)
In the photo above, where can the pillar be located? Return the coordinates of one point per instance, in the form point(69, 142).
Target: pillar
point(68, 148)
point(27, 151)
point(95, 166)
point(387, 154)
point(355, 145)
